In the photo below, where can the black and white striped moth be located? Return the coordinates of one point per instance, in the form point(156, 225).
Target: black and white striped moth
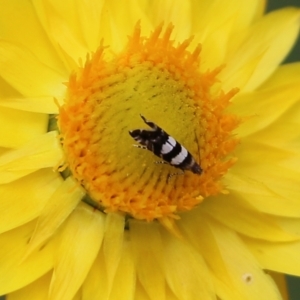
point(166, 147)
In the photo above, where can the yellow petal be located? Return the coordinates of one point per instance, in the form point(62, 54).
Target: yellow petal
point(231, 262)
point(89, 13)
point(77, 296)
point(32, 104)
point(114, 30)
point(253, 191)
point(55, 212)
point(247, 221)
point(25, 125)
point(220, 34)
point(38, 290)
point(31, 77)
point(280, 280)
point(42, 152)
point(99, 281)
point(185, 270)
point(281, 135)
point(25, 30)
point(290, 224)
point(18, 127)
point(268, 149)
point(94, 285)
point(13, 273)
point(63, 29)
point(214, 32)
point(112, 244)
point(140, 293)
point(36, 189)
point(248, 13)
point(275, 177)
point(283, 76)
point(77, 248)
point(279, 257)
point(172, 11)
point(125, 278)
point(265, 45)
point(262, 108)
point(195, 225)
point(147, 249)
point(285, 145)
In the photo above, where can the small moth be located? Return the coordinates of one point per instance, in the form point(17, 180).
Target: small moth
point(166, 147)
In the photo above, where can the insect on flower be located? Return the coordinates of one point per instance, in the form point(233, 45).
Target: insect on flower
point(166, 147)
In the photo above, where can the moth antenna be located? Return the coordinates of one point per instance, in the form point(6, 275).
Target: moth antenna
point(144, 119)
point(197, 141)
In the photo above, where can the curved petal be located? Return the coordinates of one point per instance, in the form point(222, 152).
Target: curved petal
point(267, 151)
point(290, 225)
point(172, 11)
point(281, 281)
point(115, 29)
point(185, 270)
point(249, 12)
point(77, 248)
point(89, 13)
point(55, 211)
point(279, 257)
point(13, 271)
point(37, 290)
point(265, 107)
point(112, 244)
point(27, 31)
point(213, 33)
point(283, 76)
point(248, 221)
point(205, 11)
point(99, 281)
point(238, 274)
point(221, 34)
point(60, 21)
point(24, 125)
point(147, 248)
point(27, 74)
point(42, 152)
point(271, 167)
point(265, 45)
point(45, 105)
point(36, 188)
point(124, 281)
point(282, 136)
point(254, 191)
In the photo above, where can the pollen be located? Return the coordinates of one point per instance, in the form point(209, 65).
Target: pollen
point(161, 80)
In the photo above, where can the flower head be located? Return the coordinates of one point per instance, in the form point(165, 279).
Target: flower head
point(151, 76)
point(208, 200)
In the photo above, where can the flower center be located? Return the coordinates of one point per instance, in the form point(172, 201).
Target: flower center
point(163, 83)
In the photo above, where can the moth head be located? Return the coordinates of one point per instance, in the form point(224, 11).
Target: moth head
point(196, 169)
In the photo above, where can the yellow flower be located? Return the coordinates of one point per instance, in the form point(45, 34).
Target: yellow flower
point(88, 216)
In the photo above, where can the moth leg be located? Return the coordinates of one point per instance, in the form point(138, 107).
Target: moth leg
point(139, 146)
point(161, 162)
point(174, 174)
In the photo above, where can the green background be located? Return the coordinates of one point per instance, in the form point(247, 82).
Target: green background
point(292, 282)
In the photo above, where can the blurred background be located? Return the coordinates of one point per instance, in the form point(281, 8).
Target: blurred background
point(295, 54)
point(293, 283)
